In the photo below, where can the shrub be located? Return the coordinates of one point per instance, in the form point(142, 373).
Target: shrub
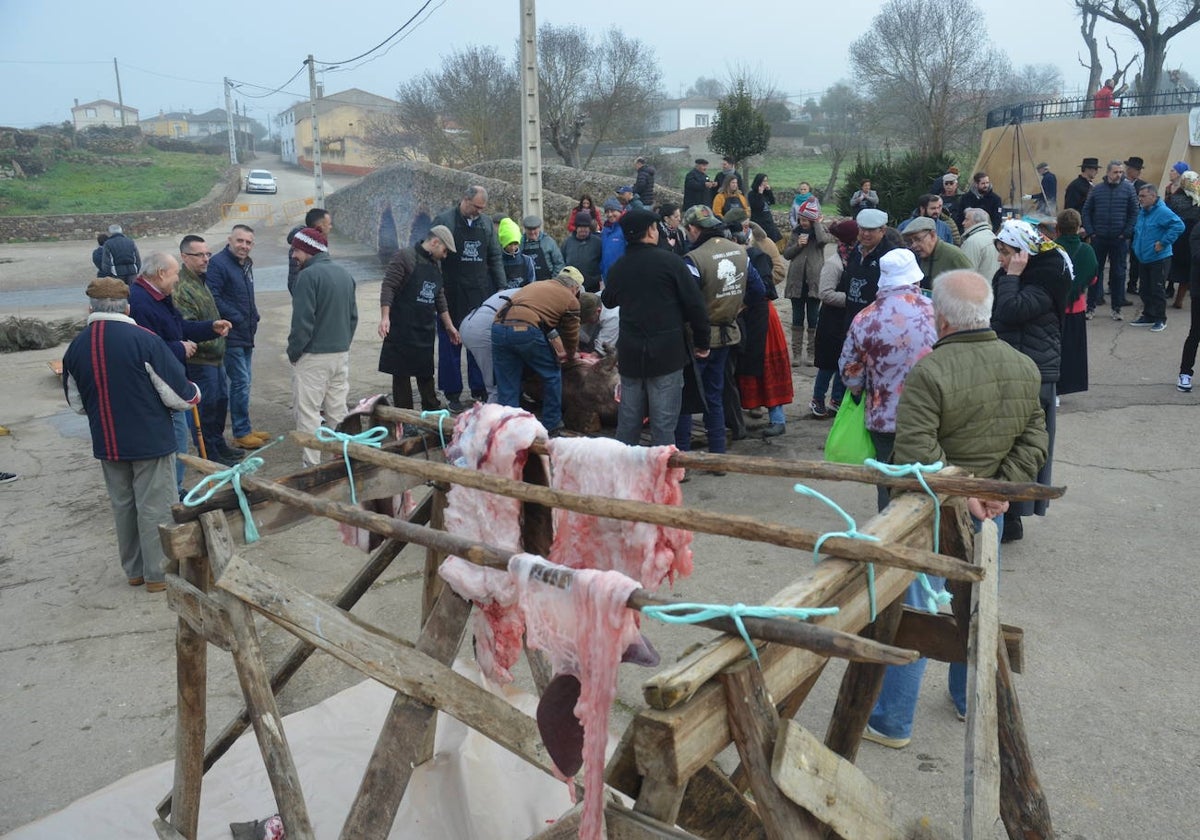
point(899, 182)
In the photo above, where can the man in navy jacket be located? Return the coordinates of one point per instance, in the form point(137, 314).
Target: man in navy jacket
point(127, 382)
point(230, 278)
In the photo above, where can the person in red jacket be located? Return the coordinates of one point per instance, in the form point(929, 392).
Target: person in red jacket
point(1104, 100)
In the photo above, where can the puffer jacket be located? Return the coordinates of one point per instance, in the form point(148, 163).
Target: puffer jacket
point(1028, 309)
point(1110, 209)
point(232, 287)
point(973, 402)
point(804, 268)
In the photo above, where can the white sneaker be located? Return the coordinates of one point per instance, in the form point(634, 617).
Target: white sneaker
point(1184, 384)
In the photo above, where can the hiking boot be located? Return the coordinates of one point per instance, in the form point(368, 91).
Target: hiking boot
point(249, 442)
point(156, 586)
point(1183, 386)
point(877, 737)
point(817, 407)
point(1013, 529)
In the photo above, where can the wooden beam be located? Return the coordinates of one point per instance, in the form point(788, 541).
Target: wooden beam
point(950, 481)
point(839, 794)
point(707, 522)
point(386, 659)
point(252, 675)
point(981, 777)
point(830, 642)
point(788, 708)
point(755, 725)
point(431, 584)
point(191, 686)
point(936, 637)
point(166, 831)
point(403, 736)
point(620, 824)
point(1023, 805)
point(201, 613)
point(675, 742)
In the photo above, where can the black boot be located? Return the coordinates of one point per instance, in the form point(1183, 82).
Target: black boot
point(1013, 529)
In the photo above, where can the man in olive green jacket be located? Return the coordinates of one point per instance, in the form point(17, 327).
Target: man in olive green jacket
point(972, 402)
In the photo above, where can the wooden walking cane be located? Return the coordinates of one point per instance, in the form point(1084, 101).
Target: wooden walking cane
point(199, 434)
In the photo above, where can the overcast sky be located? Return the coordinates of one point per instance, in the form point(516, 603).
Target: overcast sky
point(55, 51)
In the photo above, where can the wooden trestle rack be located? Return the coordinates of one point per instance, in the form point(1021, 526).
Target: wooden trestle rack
point(790, 784)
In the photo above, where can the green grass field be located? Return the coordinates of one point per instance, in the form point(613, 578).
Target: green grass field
point(786, 172)
point(174, 179)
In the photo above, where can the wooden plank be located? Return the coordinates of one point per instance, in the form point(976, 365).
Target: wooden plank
point(755, 724)
point(787, 709)
point(708, 522)
point(677, 741)
point(403, 738)
point(386, 659)
point(950, 481)
point(660, 799)
point(1023, 805)
point(859, 689)
point(431, 583)
point(200, 611)
point(981, 777)
point(621, 824)
point(714, 808)
point(827, 584)
point(191, 710)
point(936, 637)
point(839, 794)
point(256, 690)
point(166, 831)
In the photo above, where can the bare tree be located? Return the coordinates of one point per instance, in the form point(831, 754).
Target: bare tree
point(466, 112)
point(1147, 22)
point(1036, 81)
point(389, 139)
point(843, 130)
point(757, 82)
point(566, 68)
point(929, 71)
point(625, 91)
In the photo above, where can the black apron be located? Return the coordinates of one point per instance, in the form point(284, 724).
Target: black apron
point(860, 283)
point(408, 348)
point(468, 280)
point(541, 268)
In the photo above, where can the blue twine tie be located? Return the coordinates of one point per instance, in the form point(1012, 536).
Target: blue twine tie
point(933, 598)
point(441, 414)
point(851, 533)
point(210, 484)
point(695, 613)
point(373, 437)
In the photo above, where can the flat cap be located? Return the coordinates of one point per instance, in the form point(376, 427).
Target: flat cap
point(107, 288)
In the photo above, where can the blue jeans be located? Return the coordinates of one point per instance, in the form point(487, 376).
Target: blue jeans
point(775, 415)
point(656, 397)
point(1114, 249)
point(821, 383)
point(805, 309)
point(214, 405)
point(897, 703)
point(712, 380)
point(179, 420)
point(237, 368)
point(449, 372)
point(512, 349)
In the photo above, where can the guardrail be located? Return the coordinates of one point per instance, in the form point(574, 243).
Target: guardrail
point(1131, 105)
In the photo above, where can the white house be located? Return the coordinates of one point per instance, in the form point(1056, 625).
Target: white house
point(102, 112)
point(676, 114)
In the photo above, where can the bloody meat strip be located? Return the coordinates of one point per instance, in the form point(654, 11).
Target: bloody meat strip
point(583, 630)
point(493, 439)
point(607, 468)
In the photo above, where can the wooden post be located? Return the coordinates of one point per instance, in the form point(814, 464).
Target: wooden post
point(191, 676)
point(860, 688)
point(401, 742)
point(432, 584)
point(1023, 805)
point(755, 724)
point(256, 689)
point(981, 777)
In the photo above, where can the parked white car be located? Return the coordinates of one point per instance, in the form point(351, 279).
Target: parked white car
point(261, 181)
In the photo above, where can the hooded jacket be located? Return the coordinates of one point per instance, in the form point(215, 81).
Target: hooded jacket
point(1028, 309)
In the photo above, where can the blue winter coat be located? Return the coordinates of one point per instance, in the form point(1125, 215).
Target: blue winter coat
point(157, 313)
point(612, 247)
point(232, 287)
point(1158, 223)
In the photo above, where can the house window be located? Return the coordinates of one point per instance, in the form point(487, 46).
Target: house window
point(89, 112)
point(702, 121)
point(116, 113)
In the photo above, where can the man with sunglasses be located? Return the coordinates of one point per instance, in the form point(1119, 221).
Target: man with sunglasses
point(206, 367)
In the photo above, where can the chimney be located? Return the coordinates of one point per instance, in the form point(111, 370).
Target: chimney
point(76, 102)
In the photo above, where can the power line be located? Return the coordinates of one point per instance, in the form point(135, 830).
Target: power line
point(176, 78)
point(384, 41)
point(393, 46)
point(263, 87)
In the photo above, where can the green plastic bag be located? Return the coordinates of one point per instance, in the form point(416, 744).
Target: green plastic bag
point(849, 442)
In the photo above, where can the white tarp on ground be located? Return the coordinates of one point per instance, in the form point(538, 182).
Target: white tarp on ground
point(471, 789)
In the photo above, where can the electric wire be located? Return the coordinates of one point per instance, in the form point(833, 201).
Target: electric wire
point(403, 26)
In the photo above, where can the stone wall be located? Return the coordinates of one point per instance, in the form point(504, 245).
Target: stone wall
point(196, 216)
point(404, 187)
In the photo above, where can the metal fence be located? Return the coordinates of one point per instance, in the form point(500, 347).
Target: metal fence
point(1132, 105)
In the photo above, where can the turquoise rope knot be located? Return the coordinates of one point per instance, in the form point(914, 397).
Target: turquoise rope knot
point(210, 484)
point(851, 533)
point(933, 598)
point(373, 437)
point(441, 414)
point(694, 613)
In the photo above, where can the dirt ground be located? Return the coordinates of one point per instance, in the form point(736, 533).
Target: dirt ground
point(1101, 586)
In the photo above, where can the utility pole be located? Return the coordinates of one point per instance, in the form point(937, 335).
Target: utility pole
point(120, 101)
point(318, 180)
point(229, 122)
point(531, 126)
